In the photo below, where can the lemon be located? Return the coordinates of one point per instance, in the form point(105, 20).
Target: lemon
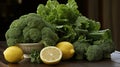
point(13, 54)
point(67, 49)
point(51, 55)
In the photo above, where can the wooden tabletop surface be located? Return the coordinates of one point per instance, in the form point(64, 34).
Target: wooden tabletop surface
point(71, 63)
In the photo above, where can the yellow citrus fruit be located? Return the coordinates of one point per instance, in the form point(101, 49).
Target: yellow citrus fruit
point(51, 55)
point(13, 54)
point(67, 49)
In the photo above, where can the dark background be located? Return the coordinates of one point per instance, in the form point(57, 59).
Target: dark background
point(105, 11)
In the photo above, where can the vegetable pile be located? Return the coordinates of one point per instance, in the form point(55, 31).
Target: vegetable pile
point(55, 22)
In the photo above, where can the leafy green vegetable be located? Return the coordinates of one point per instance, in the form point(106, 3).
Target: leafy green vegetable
point(55, 22)
point(56, 13)
point(35, 57)
point(65, 32)
point(93, 25)
point(101, 34)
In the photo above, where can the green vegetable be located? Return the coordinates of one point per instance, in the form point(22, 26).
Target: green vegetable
point(55, 22)
point(71, 26)
point(94, 53)
point(35, 57)
point(82, 22)
point(26, 29)
point(49, 37)
point(107, 46)
point(101, 34)
point(93, 25)
point(80, 49)
point(66, 32)
point(59, 14)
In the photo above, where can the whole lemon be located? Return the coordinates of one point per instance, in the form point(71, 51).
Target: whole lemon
point(13, 54)
point(67, 49)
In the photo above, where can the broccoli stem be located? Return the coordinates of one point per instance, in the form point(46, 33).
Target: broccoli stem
point(102, 34)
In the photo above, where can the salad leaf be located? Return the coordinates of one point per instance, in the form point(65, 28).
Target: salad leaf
point(35, 57)
point(59, 14)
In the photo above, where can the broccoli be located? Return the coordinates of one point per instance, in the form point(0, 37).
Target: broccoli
point(13, 33)
point(49, 37)
point(94, 53)
point(103, 39)
point(11, 41)
point(18, 23)
point(32, 34)
point(100, 35)
point(80, 49)
point(107, 46)
point(55, 22)
point(26, 29)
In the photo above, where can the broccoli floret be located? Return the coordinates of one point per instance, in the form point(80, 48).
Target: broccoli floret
point(80, 49)
point(108, 47)
point(18, 24)
point(81, 46)
point(32, 34)
point(104, 39)
point(94, 53)
point(49, 37)
point(13, 32)
point(12, 41)
point(35, 34)
point(37, 23)
point(25, 29)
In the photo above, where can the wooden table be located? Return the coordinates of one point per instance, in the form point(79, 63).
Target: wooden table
point(70, 63)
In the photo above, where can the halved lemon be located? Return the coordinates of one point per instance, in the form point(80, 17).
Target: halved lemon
point(51, 55)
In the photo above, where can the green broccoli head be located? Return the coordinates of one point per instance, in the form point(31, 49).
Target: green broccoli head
point(108, 47)
point(80, 49)
point(35, 21)
point(18, 23)
point(12, 41)
point(31, 34)
point(94, 53)
point(49, 37)
point(13, 33)
point(25, 29)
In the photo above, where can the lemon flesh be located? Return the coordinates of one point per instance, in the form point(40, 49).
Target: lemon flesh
point(51, 55)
